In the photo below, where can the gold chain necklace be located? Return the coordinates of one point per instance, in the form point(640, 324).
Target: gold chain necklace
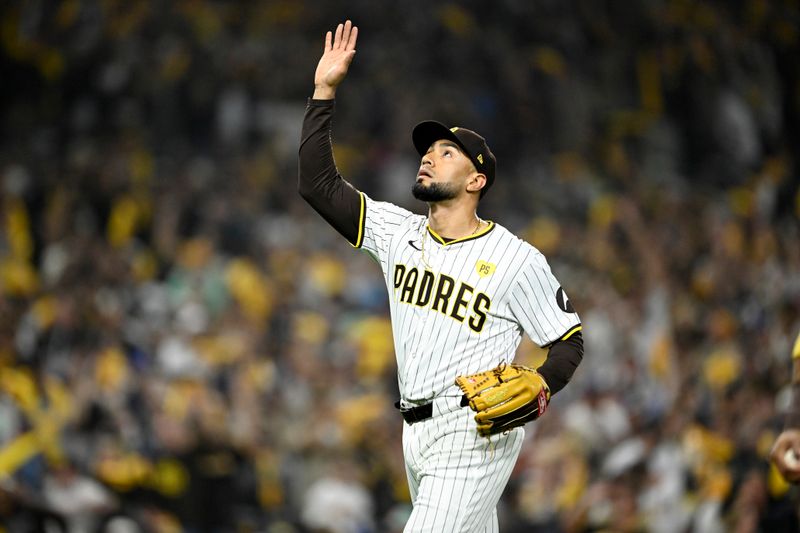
point(425, 238)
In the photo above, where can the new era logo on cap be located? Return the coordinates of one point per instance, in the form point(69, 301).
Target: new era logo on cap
point(428, 132)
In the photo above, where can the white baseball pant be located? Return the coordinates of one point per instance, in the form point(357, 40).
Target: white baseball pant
point(455, 476)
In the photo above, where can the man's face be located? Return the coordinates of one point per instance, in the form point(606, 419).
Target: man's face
point(443, 173)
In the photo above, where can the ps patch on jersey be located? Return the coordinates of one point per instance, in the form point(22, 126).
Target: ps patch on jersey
point(484, 268)
point(562, 300)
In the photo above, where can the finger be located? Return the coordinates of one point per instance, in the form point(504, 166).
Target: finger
point(328, 44)
point(351, 43)
point(337, 40)
point(346, 33)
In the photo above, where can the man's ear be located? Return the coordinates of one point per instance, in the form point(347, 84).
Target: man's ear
point(476, 182)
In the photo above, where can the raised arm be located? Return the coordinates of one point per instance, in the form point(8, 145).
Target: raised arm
point(335, 61)
point(319, 181)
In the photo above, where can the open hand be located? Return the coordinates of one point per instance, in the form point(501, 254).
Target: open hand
point(335, 60)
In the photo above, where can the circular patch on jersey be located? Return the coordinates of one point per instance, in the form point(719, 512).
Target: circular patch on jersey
point(562, 300)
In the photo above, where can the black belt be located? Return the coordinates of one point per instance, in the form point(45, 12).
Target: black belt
point(416, 414)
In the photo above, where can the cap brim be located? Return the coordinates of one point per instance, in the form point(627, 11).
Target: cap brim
point(428, 132)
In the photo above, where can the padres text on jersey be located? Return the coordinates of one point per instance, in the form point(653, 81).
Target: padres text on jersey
point(438, 292)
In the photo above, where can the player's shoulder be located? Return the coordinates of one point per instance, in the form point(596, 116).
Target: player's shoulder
point(526, 257)
point(514, 241)
point(384, 207)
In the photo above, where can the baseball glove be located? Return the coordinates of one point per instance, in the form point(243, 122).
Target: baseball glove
point(504, 397)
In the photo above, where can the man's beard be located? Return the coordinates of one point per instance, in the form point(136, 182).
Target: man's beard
point(435, 192)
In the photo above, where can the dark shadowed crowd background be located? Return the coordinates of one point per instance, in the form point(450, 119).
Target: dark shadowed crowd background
point(186, 346)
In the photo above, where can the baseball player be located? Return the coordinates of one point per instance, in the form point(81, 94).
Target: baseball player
point(462, 291)
point(786, 450)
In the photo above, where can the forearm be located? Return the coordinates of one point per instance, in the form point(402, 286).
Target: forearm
point(562, 360)
point(319, 182)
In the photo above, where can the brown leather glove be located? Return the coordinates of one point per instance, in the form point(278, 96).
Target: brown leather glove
point(504, 397)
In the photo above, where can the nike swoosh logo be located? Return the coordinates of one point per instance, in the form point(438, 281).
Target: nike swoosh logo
point(414, 246)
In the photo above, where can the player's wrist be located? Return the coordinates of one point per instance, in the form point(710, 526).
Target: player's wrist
point(544, 384)
point(324, 92)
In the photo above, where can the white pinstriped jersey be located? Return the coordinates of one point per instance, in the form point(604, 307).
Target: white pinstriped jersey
point(459, 307)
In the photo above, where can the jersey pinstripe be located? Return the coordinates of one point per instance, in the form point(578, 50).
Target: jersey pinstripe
point(459, 307)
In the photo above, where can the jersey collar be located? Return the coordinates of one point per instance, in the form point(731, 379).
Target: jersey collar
point(477, 235)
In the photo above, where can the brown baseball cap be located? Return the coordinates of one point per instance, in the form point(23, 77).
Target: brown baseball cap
point(428, 132)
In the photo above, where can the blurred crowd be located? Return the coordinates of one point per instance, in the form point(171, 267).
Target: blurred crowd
point(186, 346)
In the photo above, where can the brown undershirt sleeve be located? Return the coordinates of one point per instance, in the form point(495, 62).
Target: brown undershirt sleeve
point(562, 360)
point(319, 182)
